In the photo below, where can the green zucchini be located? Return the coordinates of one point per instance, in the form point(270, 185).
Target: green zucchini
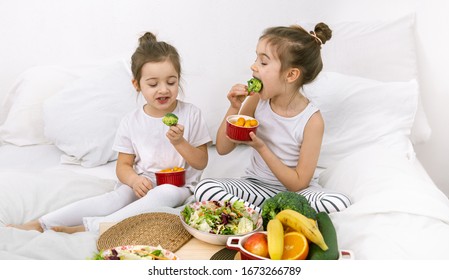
point(327, 229)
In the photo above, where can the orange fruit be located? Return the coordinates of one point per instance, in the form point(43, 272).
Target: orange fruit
point(296, 246)
point(247, 123)
point(240, 122)
point(253, 122)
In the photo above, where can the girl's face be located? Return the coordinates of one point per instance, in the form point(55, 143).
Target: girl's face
point(159, 86)
point(267, 68)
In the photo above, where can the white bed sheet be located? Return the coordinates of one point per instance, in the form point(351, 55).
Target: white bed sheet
point(33, 181)
point(47, 157)
point(397, 211)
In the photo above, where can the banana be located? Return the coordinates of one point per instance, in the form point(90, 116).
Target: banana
point(275, 236)
point(301, 223)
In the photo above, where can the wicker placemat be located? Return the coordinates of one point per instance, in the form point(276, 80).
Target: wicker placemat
point(151, 229)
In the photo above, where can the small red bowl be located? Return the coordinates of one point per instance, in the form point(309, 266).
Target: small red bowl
point(177, 178)
point(236, 132)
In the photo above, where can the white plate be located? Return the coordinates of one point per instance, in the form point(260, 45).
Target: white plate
point(137, 252)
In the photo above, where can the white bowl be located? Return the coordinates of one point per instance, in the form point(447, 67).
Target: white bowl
point(217, 239)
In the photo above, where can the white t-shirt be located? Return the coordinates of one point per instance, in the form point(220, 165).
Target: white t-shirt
point(282, 135)
point(144, 136)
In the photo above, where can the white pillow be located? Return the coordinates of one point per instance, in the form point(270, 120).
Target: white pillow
point(82, 119)
point(359, 112)
point(383, 50)
point(379, 49)
point(21, 116)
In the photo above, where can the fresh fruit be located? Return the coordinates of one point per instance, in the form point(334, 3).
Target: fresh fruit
point(257, 244)
point(174, 169)
point(327, 229)
point(296, 246)
point(275, 236)
point(253, 122)
point(240, 122)
point(301, 223)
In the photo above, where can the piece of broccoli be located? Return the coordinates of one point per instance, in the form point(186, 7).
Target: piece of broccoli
point(170, 119)
point(286, 200)
point(254, 85)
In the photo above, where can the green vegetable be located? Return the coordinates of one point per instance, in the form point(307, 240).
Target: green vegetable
point(286, 200)
point(254, 85)
point(187, 213)
point(98, 256)
point(170, 119)
point(327, 229)
point(157, 253)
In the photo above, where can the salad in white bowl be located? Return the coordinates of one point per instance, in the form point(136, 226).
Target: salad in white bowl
point(215, 221)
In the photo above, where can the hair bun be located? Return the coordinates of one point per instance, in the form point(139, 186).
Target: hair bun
point(148, 37)
point(323, 32)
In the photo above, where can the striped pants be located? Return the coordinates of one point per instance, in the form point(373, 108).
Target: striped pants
point(254, 192)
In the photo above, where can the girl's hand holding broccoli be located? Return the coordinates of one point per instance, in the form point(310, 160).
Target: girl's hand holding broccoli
point(175, 134)
point(141, 185)
point(237, 95)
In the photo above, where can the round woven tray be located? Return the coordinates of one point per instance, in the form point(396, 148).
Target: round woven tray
point(151, 229)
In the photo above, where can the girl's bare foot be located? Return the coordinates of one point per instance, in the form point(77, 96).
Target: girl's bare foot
point(31, 225)
point(70, 230)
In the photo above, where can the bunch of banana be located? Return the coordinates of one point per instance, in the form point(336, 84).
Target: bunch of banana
point(301, 223)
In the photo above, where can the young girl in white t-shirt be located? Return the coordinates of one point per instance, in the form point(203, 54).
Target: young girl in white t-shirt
point(287, 144)
point(145, 145)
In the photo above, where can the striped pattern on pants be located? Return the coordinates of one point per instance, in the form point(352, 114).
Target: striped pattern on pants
point(254, 192)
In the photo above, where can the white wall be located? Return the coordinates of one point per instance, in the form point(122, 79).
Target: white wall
point(66, 32)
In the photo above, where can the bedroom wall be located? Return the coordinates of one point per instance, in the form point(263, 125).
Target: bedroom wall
point(65, 32)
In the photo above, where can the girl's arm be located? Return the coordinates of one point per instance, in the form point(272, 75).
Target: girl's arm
point(197, 157)
point(298, 178)
point(236, 96)
point(128, 176)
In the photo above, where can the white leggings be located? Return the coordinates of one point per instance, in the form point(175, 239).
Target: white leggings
point(114, 206)
point(254, 192)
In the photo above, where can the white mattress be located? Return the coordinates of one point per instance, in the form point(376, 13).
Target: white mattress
point(47, 157)
point(397, 211)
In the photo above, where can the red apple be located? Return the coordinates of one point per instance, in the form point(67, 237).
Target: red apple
point(257, 244)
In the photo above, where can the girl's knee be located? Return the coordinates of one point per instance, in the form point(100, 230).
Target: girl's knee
point(167, 194)
point(202, 187)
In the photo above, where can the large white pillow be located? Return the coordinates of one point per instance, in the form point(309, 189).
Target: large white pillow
point(383, 50)
point(21, 116)
point(360, 112)
point(82, 119)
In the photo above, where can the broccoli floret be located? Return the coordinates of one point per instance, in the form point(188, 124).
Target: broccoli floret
point(254, 85)
point(286, 200)
point(170, 119)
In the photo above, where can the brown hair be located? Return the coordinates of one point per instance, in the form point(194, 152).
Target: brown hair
point(152, 50)
point(298, 48)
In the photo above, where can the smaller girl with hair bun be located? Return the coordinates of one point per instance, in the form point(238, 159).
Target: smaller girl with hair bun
point(145, 145)
point(288, 141)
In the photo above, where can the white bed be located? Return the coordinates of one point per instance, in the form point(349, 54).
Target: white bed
point(57, 122)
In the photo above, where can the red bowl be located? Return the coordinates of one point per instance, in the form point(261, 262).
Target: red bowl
point(236, 243)
point(177, 178)
point(236, 132)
